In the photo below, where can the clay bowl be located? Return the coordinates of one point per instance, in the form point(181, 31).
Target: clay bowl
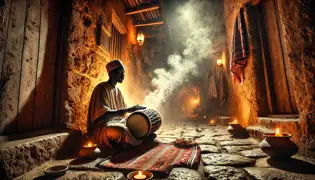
point(278, 147)
point(56, 170)
point(148, 174)
point(90, 148)
point(236, 129)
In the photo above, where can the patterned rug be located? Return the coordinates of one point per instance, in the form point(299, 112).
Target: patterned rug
point(156, 157)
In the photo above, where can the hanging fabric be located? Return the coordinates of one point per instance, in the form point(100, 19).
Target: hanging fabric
point(221, 84)
point(239, 48)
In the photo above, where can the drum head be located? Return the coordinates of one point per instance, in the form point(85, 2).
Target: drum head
point(138, 125)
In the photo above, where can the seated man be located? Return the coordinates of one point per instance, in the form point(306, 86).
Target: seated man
point(107, 109)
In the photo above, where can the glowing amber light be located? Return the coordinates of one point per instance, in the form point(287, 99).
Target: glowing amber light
point(219, 61)
point(89, 145)
point(212, 121)
point(235, 121)
point(140, 175)
point(278, 133)
point(196, 101)
point(140, 38)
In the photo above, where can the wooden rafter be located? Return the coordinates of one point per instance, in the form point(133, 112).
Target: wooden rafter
point(142, 8)
point(147, 23)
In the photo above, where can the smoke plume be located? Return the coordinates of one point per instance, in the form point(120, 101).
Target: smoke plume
point(195, 24)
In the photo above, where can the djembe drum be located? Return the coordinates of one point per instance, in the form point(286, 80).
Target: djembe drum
point(143, 122)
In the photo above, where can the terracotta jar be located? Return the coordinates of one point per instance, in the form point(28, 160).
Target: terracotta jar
point(278, 147)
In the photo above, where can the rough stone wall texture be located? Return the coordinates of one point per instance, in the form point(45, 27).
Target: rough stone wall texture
point(244, 96)
point(86, 61)
point(297, 20)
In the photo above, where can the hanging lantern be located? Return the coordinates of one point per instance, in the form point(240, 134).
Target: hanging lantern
point(140, 38)
point(219, 62)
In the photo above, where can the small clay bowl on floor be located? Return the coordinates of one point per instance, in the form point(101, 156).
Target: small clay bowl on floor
point(131, 176)
point(56, 170)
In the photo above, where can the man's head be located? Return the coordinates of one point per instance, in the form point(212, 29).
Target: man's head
point(116, 70)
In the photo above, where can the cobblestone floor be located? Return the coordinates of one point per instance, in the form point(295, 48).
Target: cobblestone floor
point(223, 157)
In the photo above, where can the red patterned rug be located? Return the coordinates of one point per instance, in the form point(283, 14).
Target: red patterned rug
point(157, 157)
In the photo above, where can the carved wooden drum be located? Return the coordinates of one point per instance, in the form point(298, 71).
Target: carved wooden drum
point(143, 122)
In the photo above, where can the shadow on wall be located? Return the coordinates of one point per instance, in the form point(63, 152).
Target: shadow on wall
point(41, 107)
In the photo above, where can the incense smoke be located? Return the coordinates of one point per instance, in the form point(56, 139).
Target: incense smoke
point(195, 25)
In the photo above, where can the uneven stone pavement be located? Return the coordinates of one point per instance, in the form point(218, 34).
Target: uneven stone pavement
point(223, 157)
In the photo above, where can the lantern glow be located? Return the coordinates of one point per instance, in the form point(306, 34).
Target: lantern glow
point(219, 62)
point(140, 38)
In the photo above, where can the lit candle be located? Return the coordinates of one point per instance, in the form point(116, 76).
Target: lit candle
point(196, 101)
point(140, 175)
point(89, 145)
point(204, 117)
point(235, 121)
point(278, 133)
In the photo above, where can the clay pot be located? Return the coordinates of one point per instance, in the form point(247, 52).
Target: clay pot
point(89, 151)
point(236, 129)
point(278, 147)
point(148, 175)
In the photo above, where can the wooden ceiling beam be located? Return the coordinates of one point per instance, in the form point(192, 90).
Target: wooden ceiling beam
point(142, 8)
point(147, 23)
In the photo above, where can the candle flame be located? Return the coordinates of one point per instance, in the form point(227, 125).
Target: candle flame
point(235, 121)
point(89, 145)
point(140, 173)
point(278, 133)
point(212, 121)
point(196, 101)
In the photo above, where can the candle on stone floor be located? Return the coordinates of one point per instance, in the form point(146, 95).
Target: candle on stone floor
point(140, 175)
point(89, 145)
point(278, 133)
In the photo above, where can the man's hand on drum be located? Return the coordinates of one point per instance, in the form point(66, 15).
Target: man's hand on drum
point(135, 108)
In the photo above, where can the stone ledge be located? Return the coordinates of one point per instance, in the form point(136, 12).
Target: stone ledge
point(257, 131)
point(286, 125)
point(278, 119)
point(7, 138)
point(224, 120)
point(20, 156)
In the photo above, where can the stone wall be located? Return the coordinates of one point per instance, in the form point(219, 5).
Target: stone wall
point(86, 61)
point(298, 21)
point(248, 99)
point(243, 97)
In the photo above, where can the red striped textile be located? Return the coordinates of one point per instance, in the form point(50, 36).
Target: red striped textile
point(239, 48)
point(160, 158)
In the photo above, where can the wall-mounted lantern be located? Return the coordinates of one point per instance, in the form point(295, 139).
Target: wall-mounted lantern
point(140, 38)
point(219, 62)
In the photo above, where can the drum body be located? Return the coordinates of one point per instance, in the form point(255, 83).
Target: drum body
point(143, 122)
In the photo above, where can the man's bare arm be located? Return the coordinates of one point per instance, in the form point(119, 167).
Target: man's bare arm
point(120, 112)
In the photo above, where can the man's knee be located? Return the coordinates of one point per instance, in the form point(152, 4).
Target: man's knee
point(116, 134)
